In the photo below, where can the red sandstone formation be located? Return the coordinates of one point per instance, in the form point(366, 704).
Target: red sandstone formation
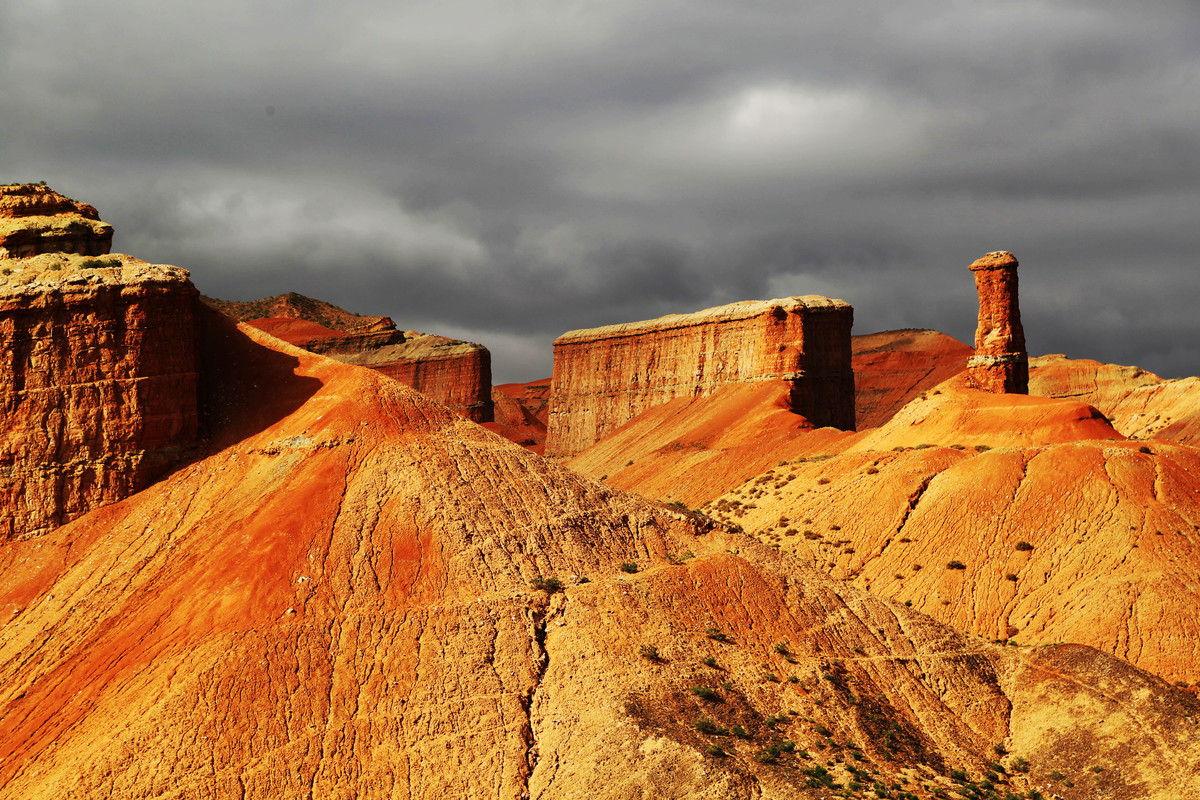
point(1000, 363)
point(299, 308)
point(521, 412)
point(456, 374)
point(893, 367)
point(98, 384)
point(603, 377)
point(35, 219)
point(338, 603)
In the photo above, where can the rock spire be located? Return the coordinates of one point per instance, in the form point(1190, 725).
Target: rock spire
point(1000, 363)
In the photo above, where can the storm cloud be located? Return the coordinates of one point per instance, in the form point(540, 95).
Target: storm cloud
point(506, 172)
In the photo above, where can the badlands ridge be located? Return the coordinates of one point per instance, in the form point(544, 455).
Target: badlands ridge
point(238, 564)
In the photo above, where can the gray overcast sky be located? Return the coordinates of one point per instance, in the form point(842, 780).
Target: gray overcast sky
point(503, 172)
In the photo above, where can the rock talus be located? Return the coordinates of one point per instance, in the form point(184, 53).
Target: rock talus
point(1000, 363)
point(603, 377)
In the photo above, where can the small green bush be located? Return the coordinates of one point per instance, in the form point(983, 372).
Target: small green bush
point(548, 585)
point(715, 751)
point(705, 725)
point(715, 633)
point(629, 567)
point(650, 652)
point(709, 661)
point(705, 693)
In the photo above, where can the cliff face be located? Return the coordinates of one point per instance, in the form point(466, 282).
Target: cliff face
point(603, 377)
point(98, 384)
point(36, 219)
point(1000, 363)
point(454, 373)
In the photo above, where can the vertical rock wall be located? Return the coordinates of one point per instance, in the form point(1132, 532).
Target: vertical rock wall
point(1000, 363)
point(603, 377)
point(98, 386)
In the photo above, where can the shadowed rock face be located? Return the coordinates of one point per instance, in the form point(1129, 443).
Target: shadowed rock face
point(36, 219)
point(98, 384)
point(603, 377)
point(1000, 363)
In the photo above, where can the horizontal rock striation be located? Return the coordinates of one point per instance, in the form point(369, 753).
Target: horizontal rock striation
point(454, 373)
point(35, 219)
point(1000, 363)
point(603, 377)
point(98, 384)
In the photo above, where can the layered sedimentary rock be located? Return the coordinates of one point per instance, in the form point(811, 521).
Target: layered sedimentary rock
point(98, 384)
point(1000, 363)
point(1140, 404)
point(35, 219)
point(603, 377)
point(344, 602)
point(297, 307)
point(893, 367)
point(520, 412)
point(457, 374)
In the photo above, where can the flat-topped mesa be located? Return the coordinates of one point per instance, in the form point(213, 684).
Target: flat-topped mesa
point(35, 219)
point(603, 377)
point(454, 373)
point(1000, 363)
point(98, 384)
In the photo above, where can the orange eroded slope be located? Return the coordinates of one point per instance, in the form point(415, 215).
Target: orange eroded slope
point(1140, 404)
point(1092, 541)
point(337, 604)
point(893, 367)
point(693, 449)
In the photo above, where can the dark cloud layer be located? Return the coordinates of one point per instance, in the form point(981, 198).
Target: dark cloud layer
point(505, 172)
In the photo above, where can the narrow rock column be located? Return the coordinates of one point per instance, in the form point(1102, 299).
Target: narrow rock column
point(1000, 363)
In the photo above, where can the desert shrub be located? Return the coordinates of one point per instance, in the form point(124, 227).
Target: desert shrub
point(715, 751)
point(1021, 765)
point(1144, 449)
point(715, 633)
point(772, 677)
point(872, 471)
point(956, 565)
point(629, 567)
point(650, 652)
point(982, 448)
point(741, 732)
point(1011, 577)
point(781, 648)
point(549, 585)
point(705, 693)
point(705, 725)
point(1024, 546)
point(709, 661)
point(958, 775)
